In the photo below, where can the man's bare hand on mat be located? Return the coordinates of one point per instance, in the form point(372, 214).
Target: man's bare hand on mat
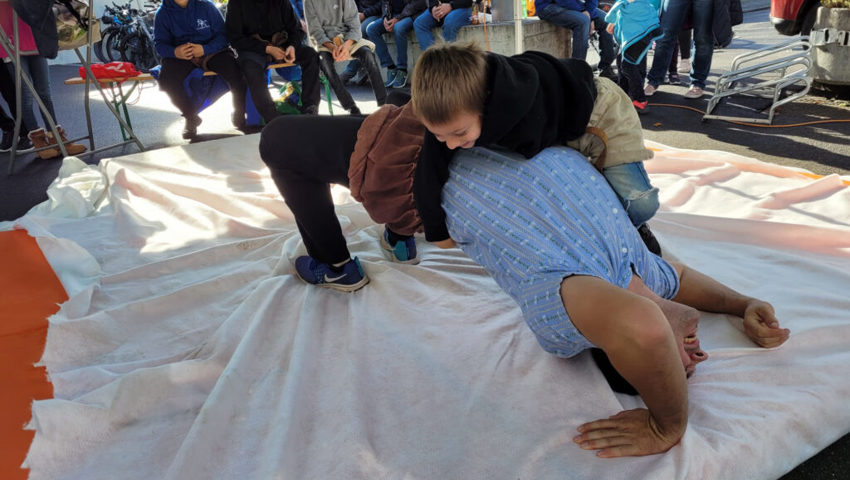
point(761, 325)
point(628, 433)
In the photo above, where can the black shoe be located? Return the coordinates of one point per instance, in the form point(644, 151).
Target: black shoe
point(6, 144)
point(354, 111)
point(24, 145)
point(310, 110)
point(190, 129)
point(649, 239)
point(608, 72)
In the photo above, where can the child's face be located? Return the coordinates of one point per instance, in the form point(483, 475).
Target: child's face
point(461, 131)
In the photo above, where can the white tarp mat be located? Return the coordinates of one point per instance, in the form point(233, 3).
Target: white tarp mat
point(188, 350)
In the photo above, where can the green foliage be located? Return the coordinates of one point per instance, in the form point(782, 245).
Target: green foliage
point(835, 3)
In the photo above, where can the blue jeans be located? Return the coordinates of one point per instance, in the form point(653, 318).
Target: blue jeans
point(673, 13)
point(354, 64)
point(451, 24)
point(376, 31)
point(35, 66)
point(631, 183)
point(579, 23)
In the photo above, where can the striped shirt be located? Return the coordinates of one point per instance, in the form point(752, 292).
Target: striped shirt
point(532, 223)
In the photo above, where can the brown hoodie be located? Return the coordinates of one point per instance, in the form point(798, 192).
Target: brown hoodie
point(382, 165)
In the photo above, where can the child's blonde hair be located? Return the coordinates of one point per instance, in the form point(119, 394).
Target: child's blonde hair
point(449, 79)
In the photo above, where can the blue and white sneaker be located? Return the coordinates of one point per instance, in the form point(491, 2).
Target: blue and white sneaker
point(350, 278)
point(403, 251)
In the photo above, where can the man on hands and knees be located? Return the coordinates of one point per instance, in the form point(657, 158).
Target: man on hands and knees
point(556, 238)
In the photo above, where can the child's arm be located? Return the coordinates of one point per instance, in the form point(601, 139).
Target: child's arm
point(432, 172)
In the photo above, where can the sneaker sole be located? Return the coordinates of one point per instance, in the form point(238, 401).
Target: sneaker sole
point(336, 286)
point(386, 246)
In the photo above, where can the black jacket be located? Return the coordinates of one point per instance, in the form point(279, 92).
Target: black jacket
point(245, 18)
point(391, 8)
point(534, 101)
point(369, 8)
point(38, 14)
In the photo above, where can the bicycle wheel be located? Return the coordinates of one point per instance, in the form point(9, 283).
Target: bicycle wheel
point(111, 49)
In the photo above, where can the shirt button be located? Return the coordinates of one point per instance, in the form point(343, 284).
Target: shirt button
point(625, 250)
point(614, 210)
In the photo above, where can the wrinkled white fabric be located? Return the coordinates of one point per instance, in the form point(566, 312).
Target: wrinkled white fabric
point(188, 350)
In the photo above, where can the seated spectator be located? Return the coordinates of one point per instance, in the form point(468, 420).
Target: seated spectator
point(581, 16)
point(189, 34)
point(268, 31)
point(335, 29)
point(450, 15)
point(398, 18)
point(368, 11)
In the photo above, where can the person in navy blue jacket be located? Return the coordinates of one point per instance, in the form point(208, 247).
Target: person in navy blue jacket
point(190, 34)
point(581, 16)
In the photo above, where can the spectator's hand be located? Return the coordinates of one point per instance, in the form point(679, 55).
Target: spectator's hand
point(197, 50)
point(343, 52)
point(628, 433)
point(610, 28)
point(362, 17)
point(761, 325)
point(592, 27)
point(441, 10)
point(289, 54)
point(276, 52)
point(183, 52)
point(304, 25)
point(390, 24)
point(447, 243)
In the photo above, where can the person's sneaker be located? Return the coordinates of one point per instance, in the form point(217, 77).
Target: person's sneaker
point(391, 72)
point(608, 72)
point(190, 129)
point(403, 251)
point(641, 107)
point(348, 278)
point(8, 139)
point(355, 110)
point(24, 145)
point(694, 92)
point(684, 66)
point(400, 79)
point(649, 90)
point(674, 78)
point(649, 239)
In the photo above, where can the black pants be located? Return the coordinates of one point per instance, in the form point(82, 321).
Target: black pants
point(367, 58)
point(253, 66)
point(175, 70)
point(306, 153)
point(7, 90)
point(631, 78)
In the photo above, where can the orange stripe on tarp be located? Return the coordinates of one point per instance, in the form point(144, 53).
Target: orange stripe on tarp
point(29, 293)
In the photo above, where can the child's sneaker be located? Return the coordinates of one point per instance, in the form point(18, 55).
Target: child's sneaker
point(649, 239)
point(400, 79)
point(403, 251)
point(348, 278)
point(391, 72)
point(641, 107)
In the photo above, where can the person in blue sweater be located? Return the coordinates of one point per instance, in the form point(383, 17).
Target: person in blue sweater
point(635, 25)
point(581, 16)
point(190, 34)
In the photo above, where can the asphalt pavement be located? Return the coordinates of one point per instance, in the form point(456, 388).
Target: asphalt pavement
point(821, 145)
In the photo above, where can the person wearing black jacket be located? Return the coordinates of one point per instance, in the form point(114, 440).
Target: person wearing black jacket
point(264, 31)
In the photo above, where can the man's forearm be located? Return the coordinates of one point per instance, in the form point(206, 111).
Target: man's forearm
point(704, 293)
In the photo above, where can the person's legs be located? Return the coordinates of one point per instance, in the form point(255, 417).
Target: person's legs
point(308, 59)
point(454, 20)
point(633, 80)
point(224, 64)
point(400, 31)
point(673, 15)
point(607, 45)
point(26, 101)
point(253, 66)
point(368, 59)
point(303, 164)
point(703, 41)
point(631, 184)
point(578, 22)
point(375, 32)
point(171, 77)
point(326, 60)
point(423, 25)
point(36, 67)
